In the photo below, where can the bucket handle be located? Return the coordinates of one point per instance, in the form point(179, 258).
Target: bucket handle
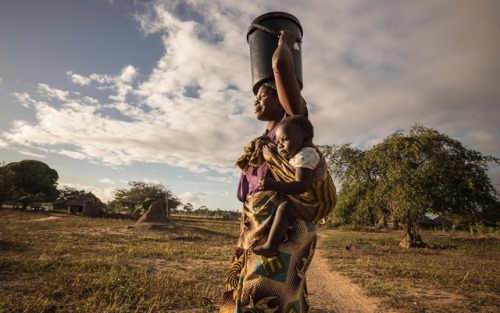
point(271, 31)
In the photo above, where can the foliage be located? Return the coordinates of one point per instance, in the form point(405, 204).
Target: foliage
point(113, 205)
point(6, 184)
point(68, 193)
point(33, 182)
point(188, 207)
point(407, 176)
point(202, 210)
point(141, 195)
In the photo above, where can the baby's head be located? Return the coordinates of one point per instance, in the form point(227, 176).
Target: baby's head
point(292, 134)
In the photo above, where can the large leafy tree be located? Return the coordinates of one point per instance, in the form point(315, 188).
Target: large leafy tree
point(354, 177)
point(407, 176)
point(34, 182)
point(141, 195)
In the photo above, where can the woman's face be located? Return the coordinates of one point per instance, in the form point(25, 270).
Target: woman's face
point(267, 106)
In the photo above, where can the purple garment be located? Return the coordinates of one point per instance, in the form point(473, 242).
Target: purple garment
point(249, 181)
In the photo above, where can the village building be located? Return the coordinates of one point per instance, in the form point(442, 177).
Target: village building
point(86, 205)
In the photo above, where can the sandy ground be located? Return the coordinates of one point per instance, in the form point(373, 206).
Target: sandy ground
point(330, 292)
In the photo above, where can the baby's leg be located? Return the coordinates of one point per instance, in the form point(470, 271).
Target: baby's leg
point(285, 213)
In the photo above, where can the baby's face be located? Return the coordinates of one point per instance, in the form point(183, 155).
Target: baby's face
point(289, 139)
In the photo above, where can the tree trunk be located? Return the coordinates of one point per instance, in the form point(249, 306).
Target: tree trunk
point(167, 208)
point(412, 237)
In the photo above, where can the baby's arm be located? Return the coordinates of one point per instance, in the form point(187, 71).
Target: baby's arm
point(303, 178)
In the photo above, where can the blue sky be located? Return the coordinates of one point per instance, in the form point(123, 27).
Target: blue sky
point(160, 91)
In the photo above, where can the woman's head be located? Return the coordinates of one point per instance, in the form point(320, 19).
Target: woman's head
point(292, 134)
point(267, 105)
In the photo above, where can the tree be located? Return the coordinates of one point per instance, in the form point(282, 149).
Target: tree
point(34, 182)
point(188, 207)
point(6, 184)
point(202, 210)
point(68, 193)
point(345, 163)
point(141, 195)
point(408, 176)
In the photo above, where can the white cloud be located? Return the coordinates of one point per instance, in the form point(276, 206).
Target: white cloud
point(75, 186)
point(107, 181)
point(52, 93)
point(104, 194)
point(3, 143)
point(197, 199)
point(128, 74)
point(79, 79)
point(181, 130)
point(122, 83)
point(101, 79)
point(32, 154)
point(370, 68)
point(72, 154)
point(24, 99)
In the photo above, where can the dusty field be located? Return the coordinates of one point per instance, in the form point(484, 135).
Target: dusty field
point(459, 272)
point(58, 263)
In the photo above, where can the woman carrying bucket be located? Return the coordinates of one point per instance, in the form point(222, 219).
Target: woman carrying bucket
point(257, 283)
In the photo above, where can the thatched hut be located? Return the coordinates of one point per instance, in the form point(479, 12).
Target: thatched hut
point(87, 205)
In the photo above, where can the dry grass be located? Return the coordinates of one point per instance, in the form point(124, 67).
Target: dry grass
point(75, 264)
point(459, 273)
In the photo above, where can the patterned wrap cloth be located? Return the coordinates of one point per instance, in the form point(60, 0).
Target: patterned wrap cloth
point(276, 284)
point(321, 198)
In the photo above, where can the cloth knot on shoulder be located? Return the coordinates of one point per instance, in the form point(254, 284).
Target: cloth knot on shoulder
point(252, 153)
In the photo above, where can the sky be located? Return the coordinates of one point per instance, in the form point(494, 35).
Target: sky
point(108, 91)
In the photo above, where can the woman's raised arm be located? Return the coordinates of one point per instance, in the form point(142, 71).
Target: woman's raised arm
point(284, 75)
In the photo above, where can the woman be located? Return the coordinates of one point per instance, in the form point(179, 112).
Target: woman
point(257, 283)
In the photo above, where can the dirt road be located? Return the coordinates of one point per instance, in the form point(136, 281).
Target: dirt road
point(330, 292)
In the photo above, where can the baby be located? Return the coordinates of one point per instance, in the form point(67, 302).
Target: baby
point(294, 136)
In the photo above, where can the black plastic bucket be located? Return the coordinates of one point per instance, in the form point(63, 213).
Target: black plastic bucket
point(262, 38)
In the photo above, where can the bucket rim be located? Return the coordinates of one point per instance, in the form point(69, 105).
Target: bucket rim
point(274, 14)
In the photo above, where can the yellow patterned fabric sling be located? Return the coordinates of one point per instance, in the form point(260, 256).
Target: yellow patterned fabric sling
point(252, 154)
point(314, 204)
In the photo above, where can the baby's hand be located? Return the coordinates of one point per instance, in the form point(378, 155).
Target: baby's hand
point(264, 184)
point(261, 142)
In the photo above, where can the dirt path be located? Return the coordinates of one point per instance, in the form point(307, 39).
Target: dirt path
point(330, 292)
